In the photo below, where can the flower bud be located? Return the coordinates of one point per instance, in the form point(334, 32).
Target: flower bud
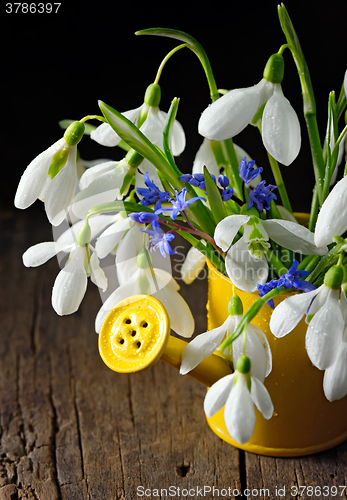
point(74, 133)
point(274, 69)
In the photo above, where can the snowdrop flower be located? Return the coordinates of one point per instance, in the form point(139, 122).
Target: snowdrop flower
point(245, 261)
point(332, 217)
point(231, 113)
point(158, 283)
point(324, 317)
point(155, 118)
point(239, 392)
point(52, 176)
point(205, 344)
point(206, 158)
point(71, 283)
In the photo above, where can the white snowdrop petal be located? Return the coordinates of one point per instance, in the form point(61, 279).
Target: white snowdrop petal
point(104, 188)
point(181, 318)
point(239, 414)
point(70, 285)
point(335, 377)
point(227, 229)
point(201, 347)
point(107, 241)
point(97, 274)
point(106, 136)
point(281, 128)
point(205, 158)
point(293, 236)
point(217, 395)
point(288, 313)
point(42, 252)
point(34, 177)
point(254, 351)
point(94, 172)
point(243, 270)
point(230, 114)
point(261, 398)
point(332, 217)
point(324, 333)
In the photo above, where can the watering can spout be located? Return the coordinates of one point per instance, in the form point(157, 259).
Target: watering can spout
point(136, 334)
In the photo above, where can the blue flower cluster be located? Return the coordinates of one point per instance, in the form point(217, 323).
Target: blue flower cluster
point(291, 279)
point(198, 180)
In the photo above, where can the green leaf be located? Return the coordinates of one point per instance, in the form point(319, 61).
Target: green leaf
point(119, 206)
point(170, 119)
point(214, 197)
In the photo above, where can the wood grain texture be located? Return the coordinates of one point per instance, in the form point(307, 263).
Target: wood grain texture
point(71, 429)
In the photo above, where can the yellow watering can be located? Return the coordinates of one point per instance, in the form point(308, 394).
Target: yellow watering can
point(136, 334)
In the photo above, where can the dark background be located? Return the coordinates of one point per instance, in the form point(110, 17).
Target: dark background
point(57, 66)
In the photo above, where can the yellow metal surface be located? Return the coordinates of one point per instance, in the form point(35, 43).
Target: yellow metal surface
point(134, 334)
point(304, 421)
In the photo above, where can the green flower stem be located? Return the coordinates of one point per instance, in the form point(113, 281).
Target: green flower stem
point(325, 261)
point(276, 263)
point(278, 179)
point(93, 117)
point(314, 209)
point(251, 313)
point(232, 168)
point(165, 60)
point(308, 98)
point(280, 183)
point(194, 46)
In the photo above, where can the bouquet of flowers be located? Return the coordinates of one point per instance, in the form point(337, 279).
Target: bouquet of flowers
point(232, 218)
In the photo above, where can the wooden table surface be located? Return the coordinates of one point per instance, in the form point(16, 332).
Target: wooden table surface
point(73, 429)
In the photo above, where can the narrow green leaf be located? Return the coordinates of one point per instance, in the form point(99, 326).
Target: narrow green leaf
point(214, 197)
point(119, 206)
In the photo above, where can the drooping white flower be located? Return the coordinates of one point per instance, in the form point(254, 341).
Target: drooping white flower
point(159, 284)
point(332, 217)
point(239, 399)
point(245, 262)
point(71, 283)
point(106, 136)
point(205, 344)
point(52, 176)
point(230, 114)
point(324, 331)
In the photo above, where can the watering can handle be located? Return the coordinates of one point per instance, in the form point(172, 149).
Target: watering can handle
point(136, 334)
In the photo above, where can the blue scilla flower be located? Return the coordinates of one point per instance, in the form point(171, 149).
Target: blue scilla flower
point(248, 171)
point(292, 278)
point(261, 196)
point(152, 193)
point(144, 217)
point(159, 240)
point(180, 204)
point(196, 180)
